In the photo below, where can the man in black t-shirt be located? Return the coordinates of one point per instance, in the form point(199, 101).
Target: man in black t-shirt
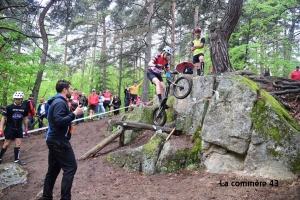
point(14, 115)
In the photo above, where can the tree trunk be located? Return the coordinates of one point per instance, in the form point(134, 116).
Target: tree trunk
point(120, 67)
point(66, 54)
point(39, 77)
point(146, 85)
point(103, 55)
point(219, 35)
point(173, 7)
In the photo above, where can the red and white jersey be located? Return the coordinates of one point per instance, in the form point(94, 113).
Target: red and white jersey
point(158, 59)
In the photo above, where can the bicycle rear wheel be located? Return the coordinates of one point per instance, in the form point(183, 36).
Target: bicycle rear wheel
point(159, 116)
point(182, 87)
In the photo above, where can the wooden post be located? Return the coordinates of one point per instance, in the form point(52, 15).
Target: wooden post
point(122, 138)
point(171, 133)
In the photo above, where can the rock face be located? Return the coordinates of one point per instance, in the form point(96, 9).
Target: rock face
point(237, 128)
point(11, 174)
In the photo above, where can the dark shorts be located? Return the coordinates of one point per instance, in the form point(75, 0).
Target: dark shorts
point(133, 97)
point(12, 134)
point(196, 58)
point(151, 75)
point(93, 108)
point(106, 104)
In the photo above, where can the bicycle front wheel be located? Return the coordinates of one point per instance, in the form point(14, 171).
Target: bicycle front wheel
point(182, 87)
point(159, 116)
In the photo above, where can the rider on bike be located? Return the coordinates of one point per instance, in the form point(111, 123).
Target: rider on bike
point(156, 67)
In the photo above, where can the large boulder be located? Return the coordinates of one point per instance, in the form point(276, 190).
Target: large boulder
point(256, 134)
point(238, 128)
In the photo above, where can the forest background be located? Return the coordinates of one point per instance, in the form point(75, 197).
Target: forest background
point(107, 44)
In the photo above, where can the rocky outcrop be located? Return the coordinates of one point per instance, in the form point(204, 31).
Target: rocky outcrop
point(11, 174)
point(237, 128)
point(157, 156)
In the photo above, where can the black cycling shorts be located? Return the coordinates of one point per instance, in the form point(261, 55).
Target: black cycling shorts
point(12, 134)
point(151, 75)
point(196, 58)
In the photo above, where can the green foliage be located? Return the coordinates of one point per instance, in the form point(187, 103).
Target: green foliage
point(264, 38)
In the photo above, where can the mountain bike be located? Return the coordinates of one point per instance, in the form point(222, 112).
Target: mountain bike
point(181, 88)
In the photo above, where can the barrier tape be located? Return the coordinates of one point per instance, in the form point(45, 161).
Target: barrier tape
point(88, 117)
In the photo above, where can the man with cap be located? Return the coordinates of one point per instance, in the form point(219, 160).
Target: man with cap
point(295, 75)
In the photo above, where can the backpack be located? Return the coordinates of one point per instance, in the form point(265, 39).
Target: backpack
point(188, 70)
point(27, 104)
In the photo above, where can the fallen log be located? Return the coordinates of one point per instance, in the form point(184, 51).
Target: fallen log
point(124, 125)
point(102, 144)
point(140, 126)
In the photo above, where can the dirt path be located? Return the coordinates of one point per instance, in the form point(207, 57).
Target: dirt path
point(96, 179)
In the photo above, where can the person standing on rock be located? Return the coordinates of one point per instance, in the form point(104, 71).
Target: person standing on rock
point(198, 52)
point(61, 154)
point(14, 115)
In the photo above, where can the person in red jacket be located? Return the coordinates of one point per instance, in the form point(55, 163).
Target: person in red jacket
point(295, 75)
point(31, 111)
point(93, 101)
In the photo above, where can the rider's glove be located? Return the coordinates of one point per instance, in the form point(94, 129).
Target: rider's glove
point(159, 66)
point(1, 133)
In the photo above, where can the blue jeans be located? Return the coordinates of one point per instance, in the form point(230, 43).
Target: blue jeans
point(61, 156)
point(100, 107)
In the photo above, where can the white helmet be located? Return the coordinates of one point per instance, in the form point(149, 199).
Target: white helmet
point(18, 95)
point(168, 50)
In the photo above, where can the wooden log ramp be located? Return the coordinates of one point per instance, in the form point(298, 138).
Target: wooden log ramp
point(123, 126)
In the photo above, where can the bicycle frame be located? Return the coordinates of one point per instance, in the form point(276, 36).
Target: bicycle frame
point(168, 86)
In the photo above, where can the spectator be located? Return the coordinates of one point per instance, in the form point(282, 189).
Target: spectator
point(31, 111)
point(86, 100)
point(75, 97)
point(267, 72)
point(93, 101)
point(107, 99)
point(14, 115)
point(116, 103)
point(70, 103)
point(134, 90)
point(198, 52)
point(82, 100)
point(41, 112)
point(138, 101)
point(100, 106)
point(31, 97)
point(61, 154)
point(126, 98)
point(295, 75)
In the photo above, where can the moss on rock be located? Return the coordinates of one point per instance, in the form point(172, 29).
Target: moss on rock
point(150, 150)
point(176, 161)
